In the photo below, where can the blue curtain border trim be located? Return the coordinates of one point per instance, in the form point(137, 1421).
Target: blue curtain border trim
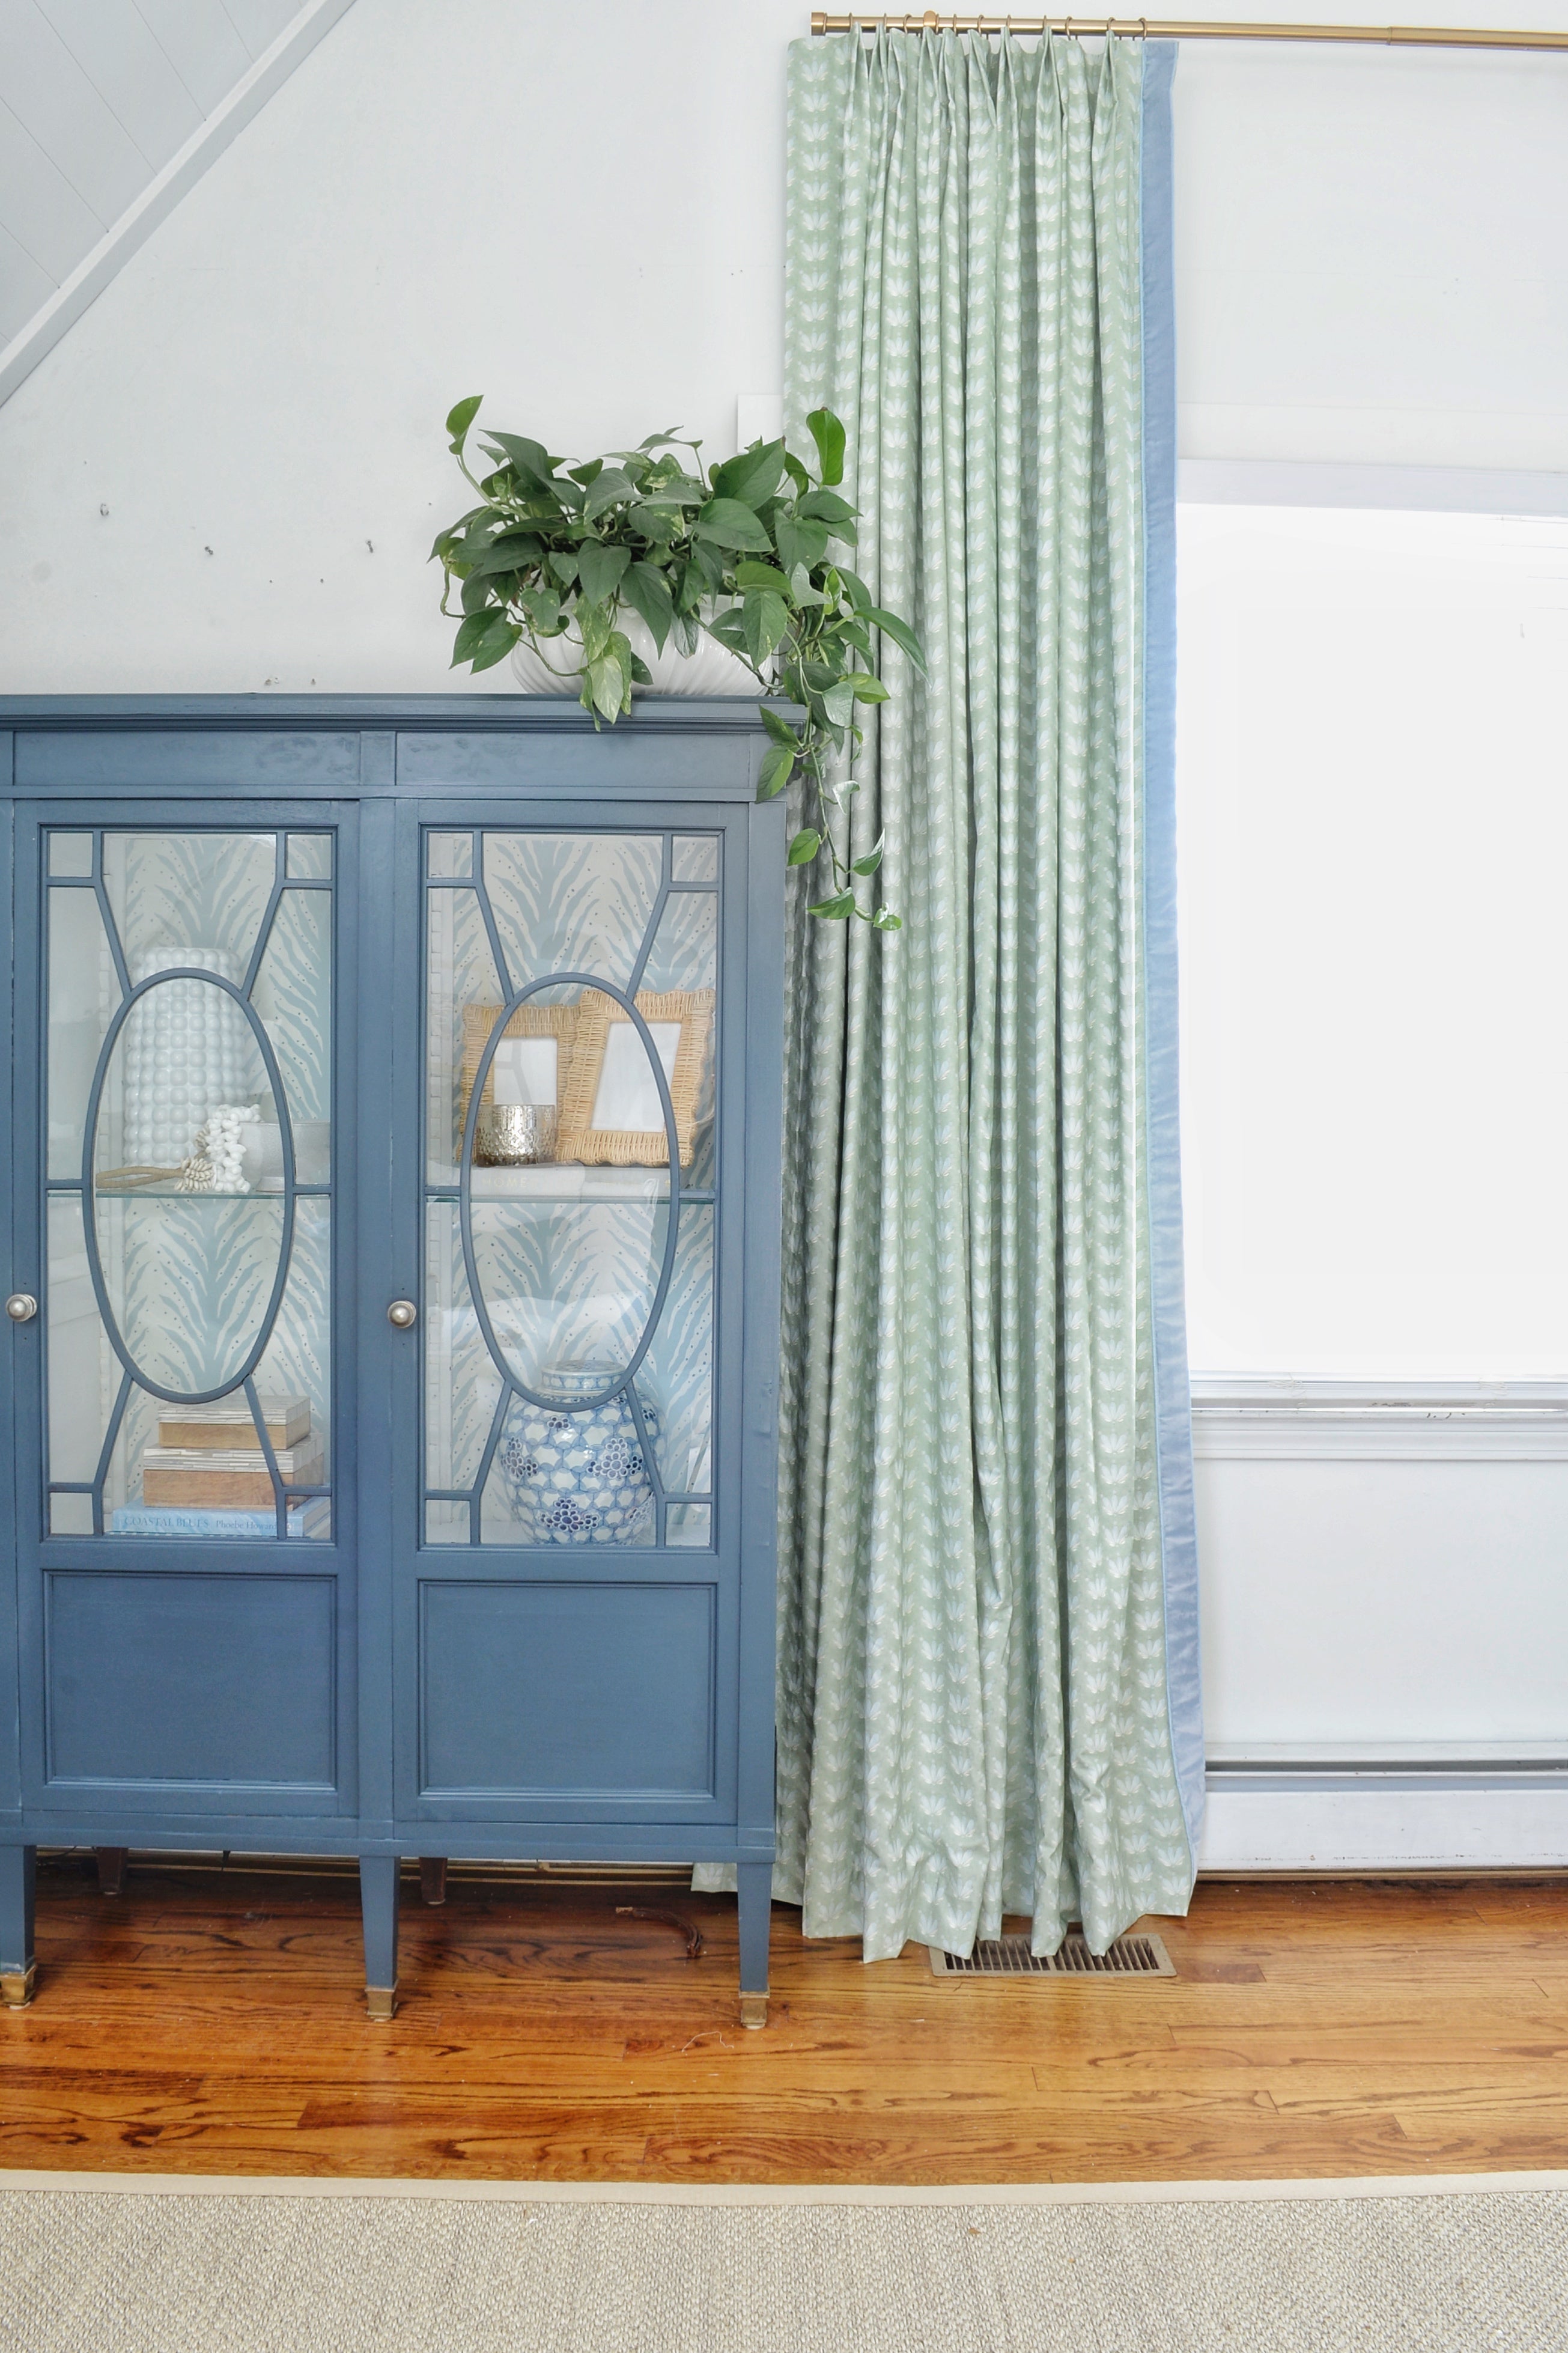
point(1173, 1393)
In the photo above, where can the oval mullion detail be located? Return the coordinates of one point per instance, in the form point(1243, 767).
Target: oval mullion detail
point(90, 1220)
point(466, 1201)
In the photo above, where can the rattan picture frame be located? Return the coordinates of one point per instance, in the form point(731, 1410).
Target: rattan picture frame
point(531, 1020)
point(578, 1138)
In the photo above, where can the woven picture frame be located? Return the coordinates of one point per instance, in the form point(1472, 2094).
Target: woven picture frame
point(531, 1020)
point(577, 1137)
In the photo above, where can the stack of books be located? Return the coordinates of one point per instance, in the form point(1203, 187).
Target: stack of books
point(208, 1476)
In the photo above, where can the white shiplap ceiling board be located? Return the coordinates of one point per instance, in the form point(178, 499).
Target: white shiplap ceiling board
point(110, 110)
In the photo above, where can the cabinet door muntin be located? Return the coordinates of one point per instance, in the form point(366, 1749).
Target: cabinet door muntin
point(572, 976)
point(187, 1179)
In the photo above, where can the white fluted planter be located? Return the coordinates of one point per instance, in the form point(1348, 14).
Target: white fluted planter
point(557, 667)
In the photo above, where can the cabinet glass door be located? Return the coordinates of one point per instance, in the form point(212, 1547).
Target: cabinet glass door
point(571, 1014)
point(188, 1090)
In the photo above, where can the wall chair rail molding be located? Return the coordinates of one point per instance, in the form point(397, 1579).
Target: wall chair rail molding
point(1251, 1419)
point(1381, 1563)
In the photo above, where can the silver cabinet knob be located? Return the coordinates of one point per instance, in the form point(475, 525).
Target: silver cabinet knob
point(21, 1307)
point(402, 1312)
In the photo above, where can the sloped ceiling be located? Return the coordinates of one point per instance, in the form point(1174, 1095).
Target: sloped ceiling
point(109, 111)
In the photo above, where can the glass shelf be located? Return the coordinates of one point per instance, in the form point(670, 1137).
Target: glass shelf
point(556, 1180)
point(205, 1193)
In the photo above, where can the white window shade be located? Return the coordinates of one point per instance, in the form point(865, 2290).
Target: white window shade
point(1373, 848)
point(1369, 254)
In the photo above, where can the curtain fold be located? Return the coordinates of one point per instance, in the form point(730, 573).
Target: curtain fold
point(987, 1681)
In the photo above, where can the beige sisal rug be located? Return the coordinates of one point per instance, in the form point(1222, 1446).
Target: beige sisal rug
point(292, 2267)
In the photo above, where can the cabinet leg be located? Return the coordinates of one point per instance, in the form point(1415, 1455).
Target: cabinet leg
point(112, 1862)
point(433, 1878)
point(754, 1896)
point(18, 1869)
point(378, 1902)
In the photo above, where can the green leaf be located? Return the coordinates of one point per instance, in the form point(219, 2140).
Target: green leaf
point(800, 542)
point(777, 768)
point(687, 631)
point(804, 847)
point(884, 920)
point(901, 634)
point(641, 674)
point(752, 477)
point(460, 418)
point(564, 568)
point(510, 553)
point(829, 435)
point(766, 618)
point(838, 701)
point(485, 639)
point(829, 508)
point(868, 689)
point(543, 607)
point(658, 440)
point(587, 475)
point(779, 729)
point(599, 569)
point(530, 458)
point(832, 910)
point(858, 593)
point(646, 590)
point(709, 565)
point(761, 575)
point(477, 591)
point(727, 524)
point(729, 628)
point(872, 859)
point(659, 524)
point(613, 487)
point(796, 473)
point(801, 590)
point(607, 679)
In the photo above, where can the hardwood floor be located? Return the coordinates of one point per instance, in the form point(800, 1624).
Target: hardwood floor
point(211, 2021)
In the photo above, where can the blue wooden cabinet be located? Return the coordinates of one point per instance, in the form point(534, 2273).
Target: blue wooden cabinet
point(392, 1362)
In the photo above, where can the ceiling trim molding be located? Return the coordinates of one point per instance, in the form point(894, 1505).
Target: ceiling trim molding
point(159, 198)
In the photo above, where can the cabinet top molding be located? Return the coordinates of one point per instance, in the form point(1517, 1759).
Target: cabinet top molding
point(463, 713)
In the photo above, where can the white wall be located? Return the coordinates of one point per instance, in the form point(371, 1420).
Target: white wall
point(578, 210)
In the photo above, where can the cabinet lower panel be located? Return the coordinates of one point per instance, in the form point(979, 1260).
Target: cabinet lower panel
point(209, 1679)
point(566, 1691)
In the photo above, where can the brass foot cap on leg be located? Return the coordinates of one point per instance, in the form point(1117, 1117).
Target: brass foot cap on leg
point(754, 2009)
point(16, 1985)
point(380, 2002)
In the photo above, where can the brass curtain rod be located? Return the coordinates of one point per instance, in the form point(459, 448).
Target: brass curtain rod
point(1414, 37)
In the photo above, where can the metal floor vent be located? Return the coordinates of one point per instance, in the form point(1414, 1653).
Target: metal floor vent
point(1009, 1957)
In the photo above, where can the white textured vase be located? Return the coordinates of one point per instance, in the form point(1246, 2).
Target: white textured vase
point(557, 667)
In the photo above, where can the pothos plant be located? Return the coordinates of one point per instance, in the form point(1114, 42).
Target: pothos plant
point(746, 553)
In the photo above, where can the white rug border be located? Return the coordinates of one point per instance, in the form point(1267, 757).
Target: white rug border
point(682, 2193)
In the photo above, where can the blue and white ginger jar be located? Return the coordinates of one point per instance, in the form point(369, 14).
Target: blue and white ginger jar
point(576, 1478)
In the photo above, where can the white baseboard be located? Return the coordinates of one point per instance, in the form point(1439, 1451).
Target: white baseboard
point(1393, 1822)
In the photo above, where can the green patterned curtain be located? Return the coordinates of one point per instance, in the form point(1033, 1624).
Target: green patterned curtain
point(976, 1714)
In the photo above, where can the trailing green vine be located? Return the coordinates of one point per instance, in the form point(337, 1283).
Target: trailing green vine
point(744, 554)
